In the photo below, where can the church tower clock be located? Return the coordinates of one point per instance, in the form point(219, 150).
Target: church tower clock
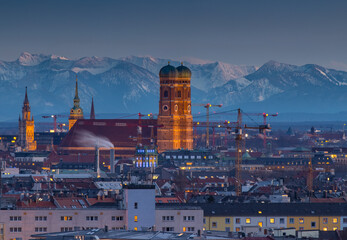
point(76, 111)
point(175, 109)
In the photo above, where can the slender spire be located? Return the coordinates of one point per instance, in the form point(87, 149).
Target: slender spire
point(26, 106)
point(26, 100)
point(19, 118)
point(76, 90)
point(92, 112)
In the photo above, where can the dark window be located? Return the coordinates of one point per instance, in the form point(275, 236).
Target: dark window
point(179, 94)
point(135, 205)
point(166, 93)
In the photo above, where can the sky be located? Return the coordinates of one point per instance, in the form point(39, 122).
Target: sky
point(238, 32)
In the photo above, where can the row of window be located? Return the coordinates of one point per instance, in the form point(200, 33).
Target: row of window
point(15, 229)
point(273, 221)
point(92, 218)
point(168, 218)
point(40, 229)
point(68, 218)
point(172, 229)
point(117, 218)
point(325, 220)
point(187, 157)
point(188, 218)
point(177, 94)
point(188, 229)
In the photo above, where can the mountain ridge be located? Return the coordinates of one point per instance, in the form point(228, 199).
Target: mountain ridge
point(131, 84)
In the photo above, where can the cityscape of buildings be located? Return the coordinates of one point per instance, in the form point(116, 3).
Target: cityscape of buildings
point(168, 176)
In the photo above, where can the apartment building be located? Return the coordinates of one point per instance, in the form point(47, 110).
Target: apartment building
point(262, 218)
point(136, 211)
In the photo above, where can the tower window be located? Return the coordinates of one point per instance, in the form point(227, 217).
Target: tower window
point(179, 94)
point(166, 93)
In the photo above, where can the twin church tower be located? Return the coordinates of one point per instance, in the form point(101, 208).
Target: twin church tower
point(175, 120)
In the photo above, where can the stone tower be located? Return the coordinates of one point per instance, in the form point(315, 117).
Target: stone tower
point(175, 109)
point(76, 111)
point(26, 127)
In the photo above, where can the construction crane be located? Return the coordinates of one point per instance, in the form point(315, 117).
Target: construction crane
point(207, 106)
point(238, 139)
point(265, 116)
point(54, 116)
point(139, 128)
point(310, 176)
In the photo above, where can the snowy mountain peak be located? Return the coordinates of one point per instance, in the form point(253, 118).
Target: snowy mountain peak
point(28, 59)
point(276, 66)
point(58, 57)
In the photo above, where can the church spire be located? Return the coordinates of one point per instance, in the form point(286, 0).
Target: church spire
point(26, 100)
point(26, 106)
point(76, 90)
point(92, 112)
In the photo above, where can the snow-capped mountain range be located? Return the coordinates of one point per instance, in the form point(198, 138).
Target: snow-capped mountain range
point(131, 85)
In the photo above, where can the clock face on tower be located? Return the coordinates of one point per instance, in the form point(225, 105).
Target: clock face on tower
point(165, 107)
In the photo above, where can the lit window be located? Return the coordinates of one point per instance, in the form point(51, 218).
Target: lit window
point(248, 220)
point(135, 218)
point(135, 228)
point(237, 229)
point(334, 220)
point(325, 220)
point(272, 220)
point(260, 224)
point(184, 229)
point(335, 228)
point(301, 220)
point(325, 229)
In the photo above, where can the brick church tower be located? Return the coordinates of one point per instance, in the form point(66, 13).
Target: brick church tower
point(26, 127)
point(175, 109)
point(76, 111)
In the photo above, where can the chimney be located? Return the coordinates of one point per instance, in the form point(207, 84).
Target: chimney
point(97, 162)
point(112, 160)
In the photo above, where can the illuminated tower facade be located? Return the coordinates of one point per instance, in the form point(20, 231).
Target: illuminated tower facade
point(175, 114)
point(26, 127)
point(76, 111)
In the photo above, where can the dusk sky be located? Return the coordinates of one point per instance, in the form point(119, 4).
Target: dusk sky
point(237, 32)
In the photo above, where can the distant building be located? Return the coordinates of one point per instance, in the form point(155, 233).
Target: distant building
point(76, 111)
point(26, 127)
point(146, 157)
point(119, 132)
point(175, 109)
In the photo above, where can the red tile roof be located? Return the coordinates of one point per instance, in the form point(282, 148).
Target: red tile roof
point(117, 131)
point(71, 202)
point(38, 204)
point(167, 200)
point(92, 201)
